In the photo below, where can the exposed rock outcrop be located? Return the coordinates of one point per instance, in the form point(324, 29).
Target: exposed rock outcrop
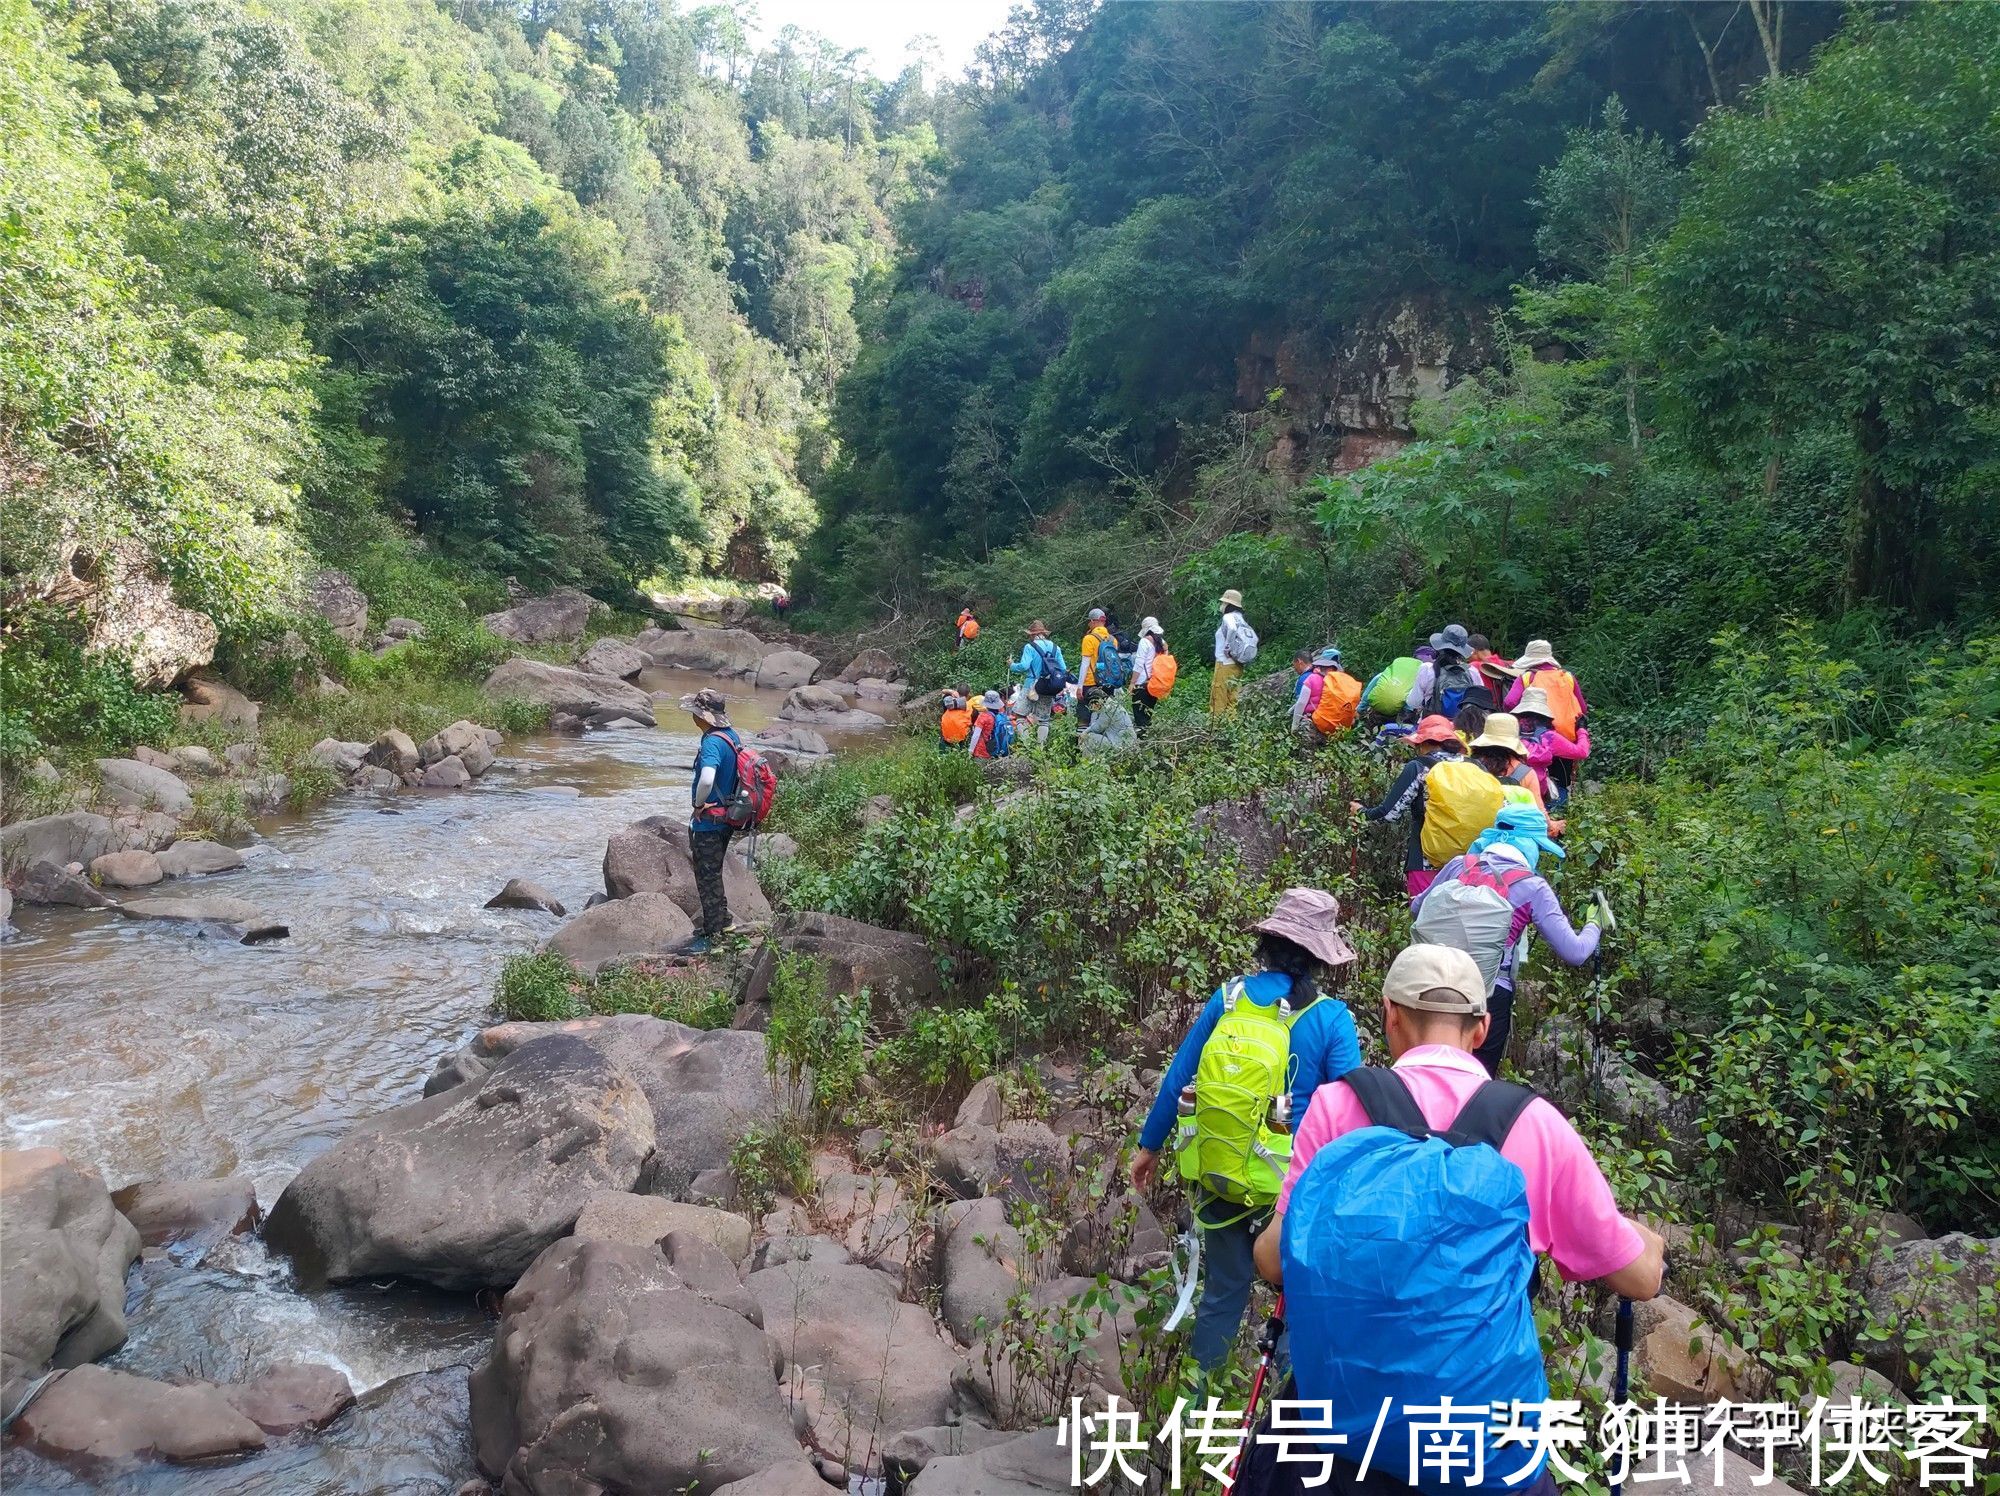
point(126, 869)
point(819, 706)
point(612, 657)
point(595, 699)
point(897, 969)
point(653, 856)
point(75, 836)
point(46, 883)
point(343, 605)
point(782, 669)
point(730, 652)
point(465, 741)
point(562, 614)
point(878, 664)
point(212, 700)
point(646, 924)
point(129, 782)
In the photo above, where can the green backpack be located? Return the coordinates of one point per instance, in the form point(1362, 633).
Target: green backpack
point(1226, 1145)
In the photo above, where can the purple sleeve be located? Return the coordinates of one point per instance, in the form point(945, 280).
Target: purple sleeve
point(1514, 694)
point(1572, 947)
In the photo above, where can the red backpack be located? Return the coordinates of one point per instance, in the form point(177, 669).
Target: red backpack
point(756, 788)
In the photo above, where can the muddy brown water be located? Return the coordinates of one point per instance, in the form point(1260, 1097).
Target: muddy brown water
point(156, 1054)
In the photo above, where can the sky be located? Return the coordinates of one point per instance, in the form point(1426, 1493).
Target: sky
point(885, 27)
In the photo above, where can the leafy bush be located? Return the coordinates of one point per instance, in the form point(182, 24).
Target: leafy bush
point(771, 1159)
point(538, 988)
point(543, 986)
point(51, 693)
point(816, 1042)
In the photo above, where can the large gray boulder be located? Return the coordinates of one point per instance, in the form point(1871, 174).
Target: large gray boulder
point(646, 924)
point(562, 614)
point(133, 615)
point(792, 739)
point(819, 706)
point(464, 1188)
point(46, 883)
point(707, 1087)
point(653, 856)
point(64, 1249)
point(341, 757)
point(394, 751)
point(1032, 1464)
point(129, 782)
point(1927, 1285)
point(897, 969)
point(230, 919)
point(782, 669)
point(730, 652)
point(613, 657)
point(594, 698)
point(872, 664)
point(465, 741)
point(193, 1214)
point(134, 869)
point(195, 859)
point(343, 605)
point(981, 1261)
point(610, 1372)
point(75, 836)
point(213, 700)
point(1017, 1390)
point(1016, 1160)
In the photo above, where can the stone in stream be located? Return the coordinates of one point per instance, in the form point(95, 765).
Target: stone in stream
point(876, 664)
point(6, 912)
point(610, 1372)
point(463, 1188)
point(146, 830)
point(195, 859)
point(45, 883)
point(393, 751)
point(793, 740)
point(74, 836)
point(522, 894)
point(372, 779)
point(447, 773)
point(646, 924)
point(613, 657)
point(341, 757)
point(237, 918)
point(64, 1249)
point(561, 614)
point(464, 740)
point(594, 698)
point(265, 795)
point(782, 669)
point(192, 1213)
point(126, 869)
point(129, 782)
point(653, 856)
point(729, 652)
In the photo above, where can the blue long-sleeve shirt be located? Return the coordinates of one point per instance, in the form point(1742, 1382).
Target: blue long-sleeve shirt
point(1324, 1048)
point(1033, 661)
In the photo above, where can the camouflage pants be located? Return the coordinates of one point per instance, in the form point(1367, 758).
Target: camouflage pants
point(708, 849)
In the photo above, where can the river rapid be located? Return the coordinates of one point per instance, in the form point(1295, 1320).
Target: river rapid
point(152, 1054)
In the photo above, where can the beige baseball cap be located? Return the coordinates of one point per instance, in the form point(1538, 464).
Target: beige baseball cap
point(1436, 979)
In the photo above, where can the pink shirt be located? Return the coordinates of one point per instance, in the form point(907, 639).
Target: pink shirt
point(1571, 1215)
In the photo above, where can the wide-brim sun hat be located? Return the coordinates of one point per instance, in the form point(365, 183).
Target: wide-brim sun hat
point(1454, 638)
point(1232, 598)
point(1436, 979)
point(1435, 729)
point(1502, 730)
point(1537, 653)
point(991, 701)
point(1310, 919)
point(708, 705)
point(1534, 702)
point(1150, 625)
point(1526, 823)
point(1037, 629)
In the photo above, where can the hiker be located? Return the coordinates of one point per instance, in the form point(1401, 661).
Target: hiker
point(1492, 667)
point(708, 827)
point(1551, 755)
point(1432, 743)
point(1047, 675)
point(1110, 724)
point(1538, 667)
point(1500, 752)
point(1431, 1298)
point(1096, 635)
point(1261, 1046)
point(1235, 647)
point(992, 734)
point(1453, 682)
point(1339, 696)
point(954, 722)
point(1484, 903)
point(781, 604)
point(1154, 670)
point(968, 628)
point(1307, 683)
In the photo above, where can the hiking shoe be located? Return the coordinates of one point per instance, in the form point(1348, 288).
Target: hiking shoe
point(698, 945)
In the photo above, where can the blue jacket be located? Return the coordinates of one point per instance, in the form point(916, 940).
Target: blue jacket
point(1030, 663)
point(1324, 1048)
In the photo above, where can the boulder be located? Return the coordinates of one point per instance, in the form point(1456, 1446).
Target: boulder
point(464, 1188)
point(876, 664)
point(643, 1220)
point(1120, 1236)
point(891, 692)
point(146, 830)
point(466, 741)
point(133, 615)
point(560, 615)
point(447, 774)
point(400, 630)
point(990, 1376)
point(393, 751)
point(840, 719)
point(126, 869)
point(341, 757)
point(195, 1214)
point(75, 836)
point(783, 669)
point(521, 894)
point(1933, 1283)
point(265, 795)
point(212, 700)
point(1681, 1356)
point(981, 1260)
point(6, 912)
point(195, 859)
point(45, 883)
point(873, 1217)
point(785, 762)
point(1016, 1160)
point(96, 1418)
point(593, 698)
point(730, 652)
point(775, 1251)
point(882, 1359)
point(913, 1449)
point(1032, 1464)
point(652, 856)
point(646, 924)
point(333, 595)
point(374, 781)
point(793, 1478)
point(234, 919)
point(192, 758)
point(129, 782)
point(712, 609)
point(64, 1249)
point(154, 758)
point(610, 1373)
point(792, 740)
point(292, 1397)
point(706, 1087)
point(775, 844)
point(896, 969)
point(982, 1105)
point(612, 657)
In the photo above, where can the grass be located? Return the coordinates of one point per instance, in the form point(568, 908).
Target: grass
point(544, 987)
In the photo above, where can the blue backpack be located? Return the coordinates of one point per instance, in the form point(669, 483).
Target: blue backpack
point(1114, 666)
point(1408, 1272)
point(1050, 678)
point(1003, 734)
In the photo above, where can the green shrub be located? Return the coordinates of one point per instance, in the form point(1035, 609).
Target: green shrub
point(52, 693)
point(816, 1042)
point(539, 988)
point(773, 1158)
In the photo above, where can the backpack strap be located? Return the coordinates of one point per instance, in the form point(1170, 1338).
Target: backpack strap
point(1489, 1116)
point(1387, 1101)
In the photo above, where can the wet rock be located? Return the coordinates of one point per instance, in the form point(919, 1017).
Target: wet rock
point(146, 830)
point(464, 1188)
point(393, 751)
point(192, 758)
point(560, 615)
point(1682, 1358)
point(45, 883)
point(653, 856)
point(212, 700)
point(195, 859)
point(464, 740)
point(644, 1219)
point(878, 664)
point(566, 722)
point(706, 1087)
point(129, 782)
point(612, 657)
point(593, 698)
point(333, 595)
point(820, 707)
point(783, 669)
point(341, 757)
point(646, 924)
point(521, 894)
point(609, 1373)
point(235, 919)
point(1020, 1465)
point(897, 969)
point(96, 1418)
point(882, 1359)
point(74, 836)
point(126, 869)
point(891, 692)
point(369, 779)
point(64, 1249)
point(266, 795)
point(292, 1398)
point(192, 1213)
point(981, 1260)
point(447, 774)
point(729, 652)
point(793, 740)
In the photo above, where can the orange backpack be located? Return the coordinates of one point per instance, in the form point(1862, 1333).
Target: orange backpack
point(955, 726)
point(968, 629)
point(1339, 703)
point(1160, 679)
point(1560, 686)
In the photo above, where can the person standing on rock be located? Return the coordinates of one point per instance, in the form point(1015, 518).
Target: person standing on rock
point(1235, 647)
point(708, 828)
point(1262, 1045)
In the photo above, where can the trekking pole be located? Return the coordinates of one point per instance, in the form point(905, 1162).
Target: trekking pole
point(1267, 1347)
point(1622, 1386)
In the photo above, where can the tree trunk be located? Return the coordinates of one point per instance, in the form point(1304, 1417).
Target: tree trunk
point(1886, 527)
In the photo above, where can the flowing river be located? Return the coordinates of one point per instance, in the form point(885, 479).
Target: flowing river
point(153, 1054)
